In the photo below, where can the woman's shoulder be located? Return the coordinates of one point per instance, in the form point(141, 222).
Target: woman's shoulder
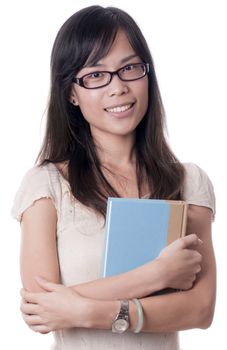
point(192, 169)
point(62, 168)
point(46, 172)
point(198, 188)
point(195, 176)
point(40, 181)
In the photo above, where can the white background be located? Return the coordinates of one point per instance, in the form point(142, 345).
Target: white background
point(188, 43)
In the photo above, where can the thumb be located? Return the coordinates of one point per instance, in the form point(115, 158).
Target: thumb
point(47, 285)
point(191, 240)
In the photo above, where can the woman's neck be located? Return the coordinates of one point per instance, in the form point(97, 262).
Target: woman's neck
point(115, 150)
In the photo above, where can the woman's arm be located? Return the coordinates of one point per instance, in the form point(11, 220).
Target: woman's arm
point(176, 267)
point(182, 310)
point(38, 244)
point(139, 283)
point(39, 258)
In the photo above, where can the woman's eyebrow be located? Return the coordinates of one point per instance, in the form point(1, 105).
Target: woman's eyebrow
point(128, 58)
point(125, 59)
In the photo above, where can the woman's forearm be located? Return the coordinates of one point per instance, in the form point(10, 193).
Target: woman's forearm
point(193, 308)
point(165, 313)
point(136, 283)
point(176, 267)
point(175, 312)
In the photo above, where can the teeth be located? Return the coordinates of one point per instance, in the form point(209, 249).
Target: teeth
point(119, 109)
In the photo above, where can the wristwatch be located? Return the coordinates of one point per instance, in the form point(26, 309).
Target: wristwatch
point(121, 322)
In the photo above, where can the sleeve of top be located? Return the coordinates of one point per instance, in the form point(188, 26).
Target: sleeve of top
point(35, 185)
point(198, 188)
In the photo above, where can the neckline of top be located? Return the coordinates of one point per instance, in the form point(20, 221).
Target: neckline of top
point(146, 196)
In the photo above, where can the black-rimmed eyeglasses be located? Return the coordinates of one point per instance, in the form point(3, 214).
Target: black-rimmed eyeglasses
point(98, 79)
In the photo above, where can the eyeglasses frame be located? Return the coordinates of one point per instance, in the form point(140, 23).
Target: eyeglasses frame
point(79, 81)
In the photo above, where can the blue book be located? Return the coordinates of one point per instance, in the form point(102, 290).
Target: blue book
point(138, 229)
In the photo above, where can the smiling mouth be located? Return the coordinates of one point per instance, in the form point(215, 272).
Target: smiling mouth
point(119, 109)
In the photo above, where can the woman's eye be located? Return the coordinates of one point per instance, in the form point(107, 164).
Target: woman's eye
point(95, 75)
point(129, 67)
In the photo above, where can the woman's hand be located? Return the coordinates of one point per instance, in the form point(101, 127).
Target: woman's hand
point(56, 308)
point(181, 262)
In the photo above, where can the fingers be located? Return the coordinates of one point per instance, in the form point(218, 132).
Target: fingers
point(193, 257)
point(32, 320)
point(46, 285)
point(36, 324)
point(34, 298)
point(189, 284)
point(30, 314)
point(189, 241)
point(198, 269)
point(29, 296)
point(41, 329)
point(28, 308)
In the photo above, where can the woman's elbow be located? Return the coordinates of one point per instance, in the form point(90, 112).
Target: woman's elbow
point(206, 313)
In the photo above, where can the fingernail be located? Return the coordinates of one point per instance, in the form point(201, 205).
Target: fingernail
point(200, 241)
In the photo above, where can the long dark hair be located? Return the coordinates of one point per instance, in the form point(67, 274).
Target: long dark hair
point(84, 39)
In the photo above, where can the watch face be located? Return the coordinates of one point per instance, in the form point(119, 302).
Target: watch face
point(121, 325)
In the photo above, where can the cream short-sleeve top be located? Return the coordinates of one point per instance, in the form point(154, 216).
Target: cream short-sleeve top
point(80, 240)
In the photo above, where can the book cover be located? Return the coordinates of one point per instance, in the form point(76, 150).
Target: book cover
point(138, 229)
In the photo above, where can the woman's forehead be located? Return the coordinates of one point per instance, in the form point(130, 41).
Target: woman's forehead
point(119, 50)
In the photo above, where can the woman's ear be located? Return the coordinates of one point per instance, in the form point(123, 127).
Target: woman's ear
point(73, 99)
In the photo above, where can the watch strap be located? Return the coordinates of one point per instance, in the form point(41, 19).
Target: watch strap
point(123, 315)
point(124, 309)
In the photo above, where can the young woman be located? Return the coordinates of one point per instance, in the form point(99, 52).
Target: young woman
point(105, 137)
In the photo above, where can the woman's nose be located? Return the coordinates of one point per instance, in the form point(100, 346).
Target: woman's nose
point(117, 86)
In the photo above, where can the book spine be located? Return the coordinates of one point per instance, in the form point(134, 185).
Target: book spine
point(108, 218)
point(177, 220)
point(184, 220)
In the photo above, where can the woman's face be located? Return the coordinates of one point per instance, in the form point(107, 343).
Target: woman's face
point(120, 106)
